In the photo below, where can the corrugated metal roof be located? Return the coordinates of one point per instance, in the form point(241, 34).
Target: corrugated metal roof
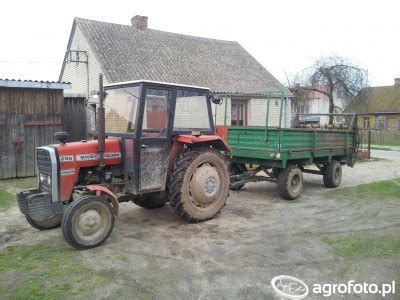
point(127, 53)
point(379, 99)
point(34, 84)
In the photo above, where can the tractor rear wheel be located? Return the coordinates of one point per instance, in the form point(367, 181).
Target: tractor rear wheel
point(332, 174)
point(46, 224)
point(290, 182)
point(150, 201)
point(199, 184)
point(87, 222)
point(236, 169)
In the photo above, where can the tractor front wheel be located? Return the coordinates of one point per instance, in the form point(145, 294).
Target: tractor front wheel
point(87, 222)
point(46, 224)
point(199, 184)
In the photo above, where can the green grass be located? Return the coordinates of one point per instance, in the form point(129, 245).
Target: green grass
point(6, 200)
point(364, 246)
point(372, 159)
point(380, 190)
point(381, 148)
point(20, 183)
point(39, 271)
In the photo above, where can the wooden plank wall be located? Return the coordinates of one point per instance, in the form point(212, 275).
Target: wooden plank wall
point(29, 118)
point(74, 118)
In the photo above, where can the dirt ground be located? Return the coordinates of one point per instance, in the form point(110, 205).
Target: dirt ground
point(154, 254)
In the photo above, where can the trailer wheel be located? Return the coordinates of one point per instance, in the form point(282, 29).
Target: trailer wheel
point(290, 182)
point(199, 184)
point(235, 169)
point(46, 224)
point(150, 201)
point(332, 174)
point(87, 222)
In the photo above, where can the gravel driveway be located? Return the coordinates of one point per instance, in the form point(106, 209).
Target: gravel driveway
point(154, 254)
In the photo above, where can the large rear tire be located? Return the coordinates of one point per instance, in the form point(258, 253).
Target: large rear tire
point(151, 201)
point(199, 184)
point(290, 182)
point(87, 222)
point(46, 224)
point(332, 174)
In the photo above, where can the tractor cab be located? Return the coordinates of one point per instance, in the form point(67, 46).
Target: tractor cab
point(147, 116)
point(156, 144)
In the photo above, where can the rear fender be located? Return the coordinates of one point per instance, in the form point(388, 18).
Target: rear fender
point(213, 140)
point(99, 190)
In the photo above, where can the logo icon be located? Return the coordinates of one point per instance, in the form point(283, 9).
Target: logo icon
point(289, 286)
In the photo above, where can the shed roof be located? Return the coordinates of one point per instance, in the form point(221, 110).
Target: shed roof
point(378, 99)
point(127, 53)
point(34, 84)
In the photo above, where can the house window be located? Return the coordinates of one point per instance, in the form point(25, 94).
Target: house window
point(366, 122)
point(304, 108)
point(380, 123)
point(238, 112)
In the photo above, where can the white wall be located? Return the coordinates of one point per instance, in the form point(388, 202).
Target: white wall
point(257, 112)
point(77, 74)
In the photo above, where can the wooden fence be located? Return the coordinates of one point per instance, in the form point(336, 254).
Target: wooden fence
point(28, 119)
point(382, 137)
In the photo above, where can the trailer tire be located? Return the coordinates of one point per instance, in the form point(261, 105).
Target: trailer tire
point(46, 224)
point(290, 182)
point(332, 174)
point(199, 184)
point(87, 222)
point(234, 169)
point(151, 201)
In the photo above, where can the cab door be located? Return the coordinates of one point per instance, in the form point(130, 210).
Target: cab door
point(154, 138)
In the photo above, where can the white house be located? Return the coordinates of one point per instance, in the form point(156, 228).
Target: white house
point(318, 103)
point(133, 52)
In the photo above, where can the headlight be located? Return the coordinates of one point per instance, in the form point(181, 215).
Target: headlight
point(48, 180)
point(41, 177)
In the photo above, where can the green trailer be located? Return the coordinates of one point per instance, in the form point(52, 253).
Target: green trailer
point(282, 155)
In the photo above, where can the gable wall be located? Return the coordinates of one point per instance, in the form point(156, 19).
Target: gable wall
point(76, 73)
point(256, 112)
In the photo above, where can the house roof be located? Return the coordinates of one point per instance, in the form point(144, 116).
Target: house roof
point(378, 99)
point(127, 53)
point(34, 84)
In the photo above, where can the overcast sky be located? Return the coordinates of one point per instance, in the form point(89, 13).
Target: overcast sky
point(284, 35)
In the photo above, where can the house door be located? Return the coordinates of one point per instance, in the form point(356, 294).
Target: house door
point(239, 112)
point(391, 124)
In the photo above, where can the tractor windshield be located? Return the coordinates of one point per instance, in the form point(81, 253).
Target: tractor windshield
point(120, 109)
point(191, 112)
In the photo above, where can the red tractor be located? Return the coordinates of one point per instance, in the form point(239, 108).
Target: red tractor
point(156, 144)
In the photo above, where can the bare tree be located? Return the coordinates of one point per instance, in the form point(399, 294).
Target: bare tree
point(329, 75)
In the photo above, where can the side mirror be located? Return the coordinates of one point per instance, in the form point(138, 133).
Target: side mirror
point(61, 136)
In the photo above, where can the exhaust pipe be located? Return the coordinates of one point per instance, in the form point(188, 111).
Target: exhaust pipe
point(101, 126)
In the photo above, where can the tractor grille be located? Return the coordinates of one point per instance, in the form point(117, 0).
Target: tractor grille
point(44, 167)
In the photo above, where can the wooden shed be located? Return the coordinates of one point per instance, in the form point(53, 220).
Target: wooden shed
point(30, 114)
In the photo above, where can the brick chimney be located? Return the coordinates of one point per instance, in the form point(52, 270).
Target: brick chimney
point(397, 82)
point(140, 22)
